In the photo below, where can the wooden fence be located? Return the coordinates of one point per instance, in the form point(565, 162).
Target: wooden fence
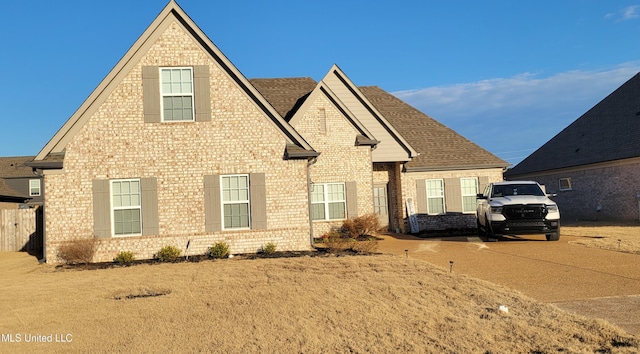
point(21, 230)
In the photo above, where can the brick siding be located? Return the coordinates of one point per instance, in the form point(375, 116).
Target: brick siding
point(116, 143)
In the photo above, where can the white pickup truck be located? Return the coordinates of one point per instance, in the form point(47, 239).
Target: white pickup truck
point(517, 208)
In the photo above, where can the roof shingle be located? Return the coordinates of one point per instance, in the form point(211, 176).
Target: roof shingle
point(609, 131)
point(439, 146)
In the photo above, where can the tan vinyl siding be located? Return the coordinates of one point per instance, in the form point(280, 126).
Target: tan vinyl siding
point(202, 95)
point(101, 208)
point(388, 150)
point(258, 197)
point(151, 94)
point(352, 198)
point(212, 210)
point(150, 224)
point(453, 195)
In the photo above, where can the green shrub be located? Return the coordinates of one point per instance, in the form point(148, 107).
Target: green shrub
point(168, 254)
point(219, 250)
point(80, 251)
point(269, 248)
point(125, 257)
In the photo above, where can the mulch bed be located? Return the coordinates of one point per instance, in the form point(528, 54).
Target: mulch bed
point(319, 252)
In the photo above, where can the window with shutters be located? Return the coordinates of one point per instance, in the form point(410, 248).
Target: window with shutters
point(126, 207)
point(469, 187)
point(435, 196)
point(328, 201)
point(235, 201)
point(176, 89)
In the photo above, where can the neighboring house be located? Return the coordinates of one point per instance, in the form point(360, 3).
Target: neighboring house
point(593, 165)
point(176, 147)
point(20, 187)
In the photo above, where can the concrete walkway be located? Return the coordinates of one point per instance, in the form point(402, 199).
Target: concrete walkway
point(587, 281)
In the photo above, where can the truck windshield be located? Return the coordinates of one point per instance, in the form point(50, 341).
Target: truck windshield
point(505, 190)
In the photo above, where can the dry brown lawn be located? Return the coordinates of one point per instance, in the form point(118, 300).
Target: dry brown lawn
point(377, 304)
point(622, 238)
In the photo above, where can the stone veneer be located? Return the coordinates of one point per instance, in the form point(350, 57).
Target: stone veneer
point(116, 143)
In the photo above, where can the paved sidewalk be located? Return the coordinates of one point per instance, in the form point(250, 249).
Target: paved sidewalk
point(587, 281)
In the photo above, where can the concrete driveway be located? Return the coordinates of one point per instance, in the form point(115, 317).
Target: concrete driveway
point(587, 281)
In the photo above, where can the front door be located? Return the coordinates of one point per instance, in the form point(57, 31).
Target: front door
point(381, 204)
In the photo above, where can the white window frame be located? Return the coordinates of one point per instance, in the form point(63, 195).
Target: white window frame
point(177, 94)
point(128, 207)
point(433, 196)
point(326, 202)
point(37, 186)
point(224, 202)
point(474, 195)
point(568, 182)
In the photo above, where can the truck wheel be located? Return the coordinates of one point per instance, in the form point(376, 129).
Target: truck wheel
point(554, 236)
point(487, 229)
point(480, 229)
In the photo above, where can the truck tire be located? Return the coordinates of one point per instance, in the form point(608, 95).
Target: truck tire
point(554, 236)
point(480, 229)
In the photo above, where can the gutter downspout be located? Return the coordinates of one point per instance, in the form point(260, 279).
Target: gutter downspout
point(310, 162)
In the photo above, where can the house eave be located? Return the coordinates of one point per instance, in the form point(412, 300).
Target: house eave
point(452, 168)
point(294, 152)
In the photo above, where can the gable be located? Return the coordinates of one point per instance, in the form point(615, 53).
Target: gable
point(392, 146)
point(308, 104)
point(170, 21)
point(609, 131)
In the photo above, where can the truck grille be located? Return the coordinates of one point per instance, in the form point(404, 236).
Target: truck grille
point(524, 212)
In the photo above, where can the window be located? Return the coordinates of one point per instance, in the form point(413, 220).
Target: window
point(34, 187)
point(176, 89)
point(126, 207)
point(235, 201)
point(565, 184)
point(328, 201)
point(469, 188)
point(435, 196)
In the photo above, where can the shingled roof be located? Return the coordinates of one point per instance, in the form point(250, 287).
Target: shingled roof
point(440, 147)
point(7, 193)
point(285, 95)
point(15, 166)
point(609, 131)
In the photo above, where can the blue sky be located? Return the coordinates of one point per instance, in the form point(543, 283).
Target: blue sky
point(507, 75)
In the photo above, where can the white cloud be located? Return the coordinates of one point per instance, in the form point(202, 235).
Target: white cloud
point(509, 115)
point(628, 13)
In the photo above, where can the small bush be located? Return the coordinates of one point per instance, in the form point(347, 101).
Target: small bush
point(361, 227)
point(366, 246)
point(168, 254)
point(125, 257)
point(269, 248)
point(219, 250)
point(80, 251)
point(336, 241)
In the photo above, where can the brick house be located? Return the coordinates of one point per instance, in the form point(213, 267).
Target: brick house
point(414, 156)
point(593, 165)
point(176, 147)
